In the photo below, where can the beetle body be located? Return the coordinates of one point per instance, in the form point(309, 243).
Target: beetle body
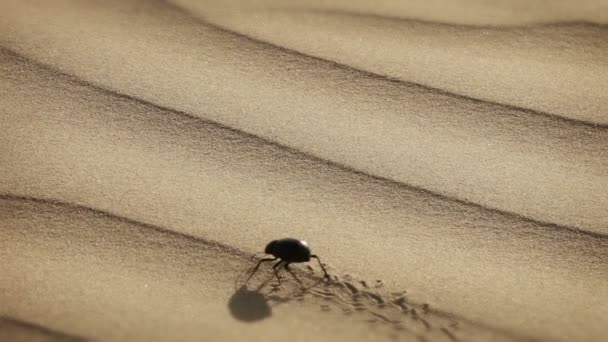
point(288, 251)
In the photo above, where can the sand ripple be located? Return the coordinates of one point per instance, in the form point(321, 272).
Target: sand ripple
point(462, 161)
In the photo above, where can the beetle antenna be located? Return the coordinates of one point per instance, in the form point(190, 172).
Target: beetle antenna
point(320, 264)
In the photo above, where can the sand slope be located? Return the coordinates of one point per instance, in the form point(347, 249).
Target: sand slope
point(120, 280)
point(521, 66)
point(500, 157)
point(147, 156)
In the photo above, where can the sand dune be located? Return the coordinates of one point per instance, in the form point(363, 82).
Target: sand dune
point(148, 155)
point(151, 284)
point(169, 169)
point(525, 69)
point(396, 131)
point(463, 12)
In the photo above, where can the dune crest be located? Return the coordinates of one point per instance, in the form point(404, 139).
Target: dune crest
point(460, 12)
point(526, 71)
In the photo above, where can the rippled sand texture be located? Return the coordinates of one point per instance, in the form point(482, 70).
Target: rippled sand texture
point(150, 149)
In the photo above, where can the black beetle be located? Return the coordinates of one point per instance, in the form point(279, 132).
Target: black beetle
point(288, 251)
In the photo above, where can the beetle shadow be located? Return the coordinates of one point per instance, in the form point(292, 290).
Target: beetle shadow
point(249, 305)
point(254, 304)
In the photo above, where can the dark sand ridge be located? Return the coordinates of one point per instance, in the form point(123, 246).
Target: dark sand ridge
point(463, 12)
point(117, 279)
point(80, 145)
point(540, 167)
point(16, 331)
point(521, 66)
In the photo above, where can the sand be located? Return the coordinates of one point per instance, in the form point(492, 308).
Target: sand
point(450, 170)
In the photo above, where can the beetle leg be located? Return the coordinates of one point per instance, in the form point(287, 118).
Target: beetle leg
point(276, 272)
point(255, 269)
point(320, 264)
point(292, 274)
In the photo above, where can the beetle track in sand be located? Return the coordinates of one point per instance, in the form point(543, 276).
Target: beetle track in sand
point(401, 319)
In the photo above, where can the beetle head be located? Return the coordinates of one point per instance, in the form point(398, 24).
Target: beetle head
point(270, 247)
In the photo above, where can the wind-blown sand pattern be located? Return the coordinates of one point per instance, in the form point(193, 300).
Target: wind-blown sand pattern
point(150, 149)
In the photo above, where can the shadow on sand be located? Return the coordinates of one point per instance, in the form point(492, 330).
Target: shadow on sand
point(251, 304)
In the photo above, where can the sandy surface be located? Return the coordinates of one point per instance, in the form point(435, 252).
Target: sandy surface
point(450, 167)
